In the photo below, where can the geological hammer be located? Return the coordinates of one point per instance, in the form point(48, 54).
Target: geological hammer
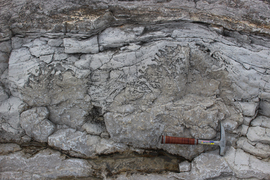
point(192, 141)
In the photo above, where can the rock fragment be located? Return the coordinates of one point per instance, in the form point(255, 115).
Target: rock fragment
point(3, 95)
point(36, 124)
point(264, 108)
point(259, 134)
point(184, 166)
point(254, 148)
point(245, 165)
point(206, 166)
point(83, 46)
point(10, 110)
point(261, 121)
point(249, 108)
point(83, 144)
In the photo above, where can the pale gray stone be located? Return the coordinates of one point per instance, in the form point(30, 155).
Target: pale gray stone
point(10, 110)
point(259, 134)
point(198, 32)
point(124, 125)
point(45, 164)
point(205, 166)
point(245, 165)
point(21, 65)
point(83, 46)
point(94, 129)
point(55, 42)
point(46, 59)
point(261, 121)
point(256, 149)
point(249, 108)
point(230, 125)
point(244, 130)
point(115, 37)
point(39, 49)
point(184, 166)
point(64, 98)
point(83, 144)
point(84, 62)
point(9, 148)
point(247, 120)
point(36, 124)
point(177, 79)
point(60, 54)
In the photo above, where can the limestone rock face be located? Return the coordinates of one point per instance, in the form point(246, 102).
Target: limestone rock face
point(36, 124)
point(84, 46)
point(102, 81)
point(246, 165)
point(45, 164)
point(86, 145)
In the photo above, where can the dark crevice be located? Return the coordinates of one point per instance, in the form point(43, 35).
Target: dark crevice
point(145, 161)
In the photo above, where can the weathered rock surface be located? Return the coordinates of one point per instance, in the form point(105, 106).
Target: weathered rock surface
point(245, 165)
point(96, 78)
point(206, 166)
point(83, 46)
point(82, 144)
point(43, 165)
point(184, 166)
point(9, 148)
point(261, 121)
point(259, 134)
point(36, 124)
point(254, 148)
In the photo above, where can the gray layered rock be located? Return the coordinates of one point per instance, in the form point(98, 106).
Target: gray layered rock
point(83, 46)
point(249, 109)
point(151, 126)
point(10, 110)
point(82, 144)
point(5, 49)
point(262, 121)
point(245, 165)
point(92, 78)
point(45, 164)
point(9, 148)
point(254, 148)
point(116, 37)
point(36, 124)
point(259, 134)
point(206, 166)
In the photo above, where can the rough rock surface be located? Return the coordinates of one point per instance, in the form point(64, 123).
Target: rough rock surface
point(36, 124)
point(97, 81)
point(43, 165)
point(80, 142)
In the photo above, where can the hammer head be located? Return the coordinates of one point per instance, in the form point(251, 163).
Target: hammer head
point(222, 142)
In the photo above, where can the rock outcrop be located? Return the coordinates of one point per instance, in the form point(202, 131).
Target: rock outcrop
point(86, 81)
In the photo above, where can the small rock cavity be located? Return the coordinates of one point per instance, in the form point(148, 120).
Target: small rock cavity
point(133, 162)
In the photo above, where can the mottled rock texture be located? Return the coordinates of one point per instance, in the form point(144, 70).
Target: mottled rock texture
point(88, 81)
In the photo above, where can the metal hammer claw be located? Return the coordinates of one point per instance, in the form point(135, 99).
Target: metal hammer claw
point(192, 141)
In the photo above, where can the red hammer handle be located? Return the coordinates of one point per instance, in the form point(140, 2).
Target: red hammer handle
point(178, 140)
